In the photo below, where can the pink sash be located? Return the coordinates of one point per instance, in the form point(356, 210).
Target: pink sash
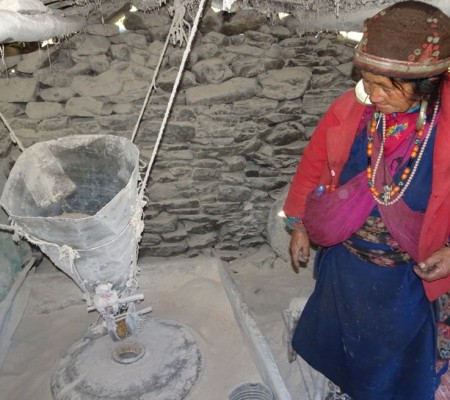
point(334, 216)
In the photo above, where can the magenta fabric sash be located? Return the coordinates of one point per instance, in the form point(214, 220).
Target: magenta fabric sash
point(334, 216)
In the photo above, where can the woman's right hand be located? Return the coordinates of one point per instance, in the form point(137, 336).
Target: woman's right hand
point(299, 248)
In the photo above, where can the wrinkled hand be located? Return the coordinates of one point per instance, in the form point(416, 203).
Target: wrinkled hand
point(436, 266)
point(299, 249)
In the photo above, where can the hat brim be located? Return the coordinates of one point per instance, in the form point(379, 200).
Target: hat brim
point(399, 69)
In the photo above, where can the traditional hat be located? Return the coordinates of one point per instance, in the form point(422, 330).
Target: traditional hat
point(408, 40)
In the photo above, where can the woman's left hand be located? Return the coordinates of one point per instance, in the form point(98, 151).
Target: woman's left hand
point(436, 266)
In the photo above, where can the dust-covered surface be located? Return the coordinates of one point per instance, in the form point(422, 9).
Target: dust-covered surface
point(186, 291)
point(268, 291)
point(160, 361)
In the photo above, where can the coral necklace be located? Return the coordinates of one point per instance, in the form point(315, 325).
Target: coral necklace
point(394, 192)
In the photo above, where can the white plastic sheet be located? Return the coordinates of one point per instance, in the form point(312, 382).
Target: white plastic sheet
point(17, 27)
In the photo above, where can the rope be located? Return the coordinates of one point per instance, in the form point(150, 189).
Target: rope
point(152, 85)
point(2, 54)
point(172, 96)
point(176, 34)
point(8, 228)
point(13, 136)
point(65, 252)
point(177, 31)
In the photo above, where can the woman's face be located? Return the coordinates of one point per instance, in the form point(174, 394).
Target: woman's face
point(386, 97)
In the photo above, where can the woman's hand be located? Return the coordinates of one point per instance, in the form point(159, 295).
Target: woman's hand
point(299, 248)
point(436, 266)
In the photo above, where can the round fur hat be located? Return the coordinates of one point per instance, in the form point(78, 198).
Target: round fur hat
point(409, 40)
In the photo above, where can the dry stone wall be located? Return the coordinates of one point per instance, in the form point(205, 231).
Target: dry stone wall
point(250, 96)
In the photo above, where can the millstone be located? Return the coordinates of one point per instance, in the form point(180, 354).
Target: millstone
point(161, 361)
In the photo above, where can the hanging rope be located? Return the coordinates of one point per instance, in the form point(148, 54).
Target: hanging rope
point(175, 36)
point(7, 228)
point(152, 84)
point(177, 32)
point(2, 55)
point(13, 136)
point(67, 254)
point(172, 96)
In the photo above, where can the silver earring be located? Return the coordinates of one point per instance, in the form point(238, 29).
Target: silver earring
point(361, 94)
point(422, 118)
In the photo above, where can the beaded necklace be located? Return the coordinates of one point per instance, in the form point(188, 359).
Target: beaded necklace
point(394, 192)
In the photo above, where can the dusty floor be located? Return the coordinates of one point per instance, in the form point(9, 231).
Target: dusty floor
point(187, 291)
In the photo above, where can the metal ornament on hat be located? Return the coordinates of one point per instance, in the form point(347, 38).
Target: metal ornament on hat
point(430, 48)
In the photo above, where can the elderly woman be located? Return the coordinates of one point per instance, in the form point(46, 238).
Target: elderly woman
point(372, 190)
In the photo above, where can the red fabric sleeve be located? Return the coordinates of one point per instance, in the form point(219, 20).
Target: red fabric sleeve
point(310, 169)
point(436, 227)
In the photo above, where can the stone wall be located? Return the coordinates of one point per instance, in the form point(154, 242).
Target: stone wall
point(250, 96)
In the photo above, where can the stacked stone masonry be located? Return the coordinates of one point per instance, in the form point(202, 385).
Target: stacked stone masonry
point(251, 94)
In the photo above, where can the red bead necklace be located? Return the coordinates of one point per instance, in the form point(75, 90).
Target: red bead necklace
point(392, 193)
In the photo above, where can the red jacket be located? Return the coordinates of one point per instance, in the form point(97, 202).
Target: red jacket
point(327, 152)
